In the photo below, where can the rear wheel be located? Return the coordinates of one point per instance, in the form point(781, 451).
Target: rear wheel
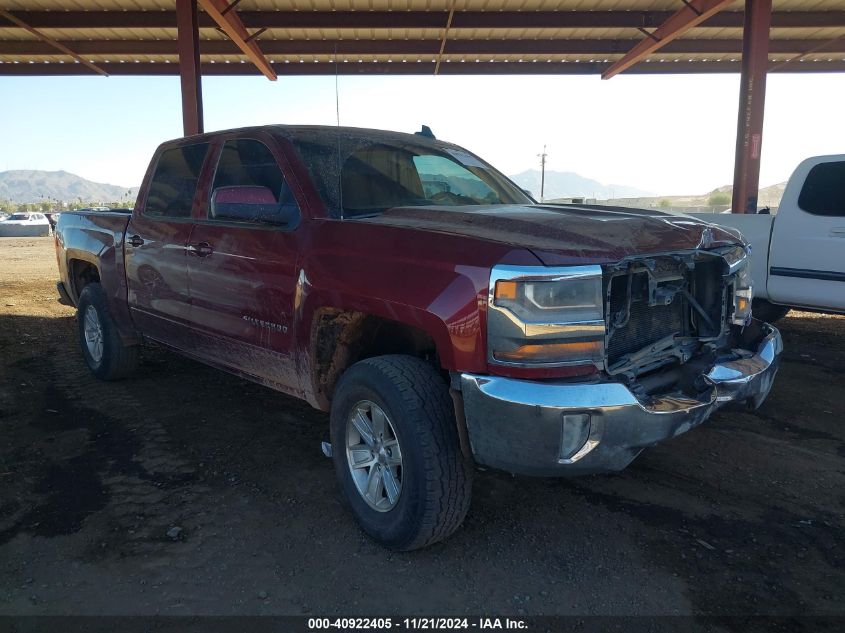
point(105, 354)
point(397, 454)
point(768, 312)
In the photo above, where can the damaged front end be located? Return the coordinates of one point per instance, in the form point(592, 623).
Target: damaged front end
point(669, 318)
point(669, 339)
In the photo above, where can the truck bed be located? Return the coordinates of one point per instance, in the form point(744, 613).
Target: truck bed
point(93, 238)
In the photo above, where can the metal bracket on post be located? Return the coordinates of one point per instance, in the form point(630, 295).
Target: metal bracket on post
point(648, 34)
point(692, 7)
point(230, 7)
point(256, 34)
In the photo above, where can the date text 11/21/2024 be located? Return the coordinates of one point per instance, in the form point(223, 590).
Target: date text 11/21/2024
point(416, 624)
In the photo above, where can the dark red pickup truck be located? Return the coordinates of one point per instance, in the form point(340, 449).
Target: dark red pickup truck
point(441, 315)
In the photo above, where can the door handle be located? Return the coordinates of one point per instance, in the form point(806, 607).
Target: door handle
point(135, 240)
point(837, 231)
point(203, 249)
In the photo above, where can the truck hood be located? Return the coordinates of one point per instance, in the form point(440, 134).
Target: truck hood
point(566, 234)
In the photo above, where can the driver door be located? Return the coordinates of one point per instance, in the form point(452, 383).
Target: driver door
point(242, 265)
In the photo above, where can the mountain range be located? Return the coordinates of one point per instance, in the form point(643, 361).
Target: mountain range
point(29, 185)
point(567, 184)
point(33, 186)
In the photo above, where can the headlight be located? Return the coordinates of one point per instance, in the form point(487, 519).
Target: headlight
point(739, 265)
point(546, 316)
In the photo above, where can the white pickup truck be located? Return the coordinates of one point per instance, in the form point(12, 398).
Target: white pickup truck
point(798, 254)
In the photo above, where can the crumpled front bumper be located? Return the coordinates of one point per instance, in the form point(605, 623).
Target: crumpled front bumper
point(563, 428)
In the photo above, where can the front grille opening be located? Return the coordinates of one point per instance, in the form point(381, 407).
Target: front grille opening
point(652, 303)
point(645, 324)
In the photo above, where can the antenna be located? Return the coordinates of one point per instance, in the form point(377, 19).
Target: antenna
point(542, 174)
point(336, 86)
point(337, 110)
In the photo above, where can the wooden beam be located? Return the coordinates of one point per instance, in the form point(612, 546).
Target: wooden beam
point(57, 45)
point(189, 66)
point(692, 14)
point(229, 21)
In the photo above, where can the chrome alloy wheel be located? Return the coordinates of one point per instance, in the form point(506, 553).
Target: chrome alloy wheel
point(93, 334)
point(373, 455)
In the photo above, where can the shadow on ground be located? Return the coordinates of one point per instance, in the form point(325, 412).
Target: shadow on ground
point(188, 491)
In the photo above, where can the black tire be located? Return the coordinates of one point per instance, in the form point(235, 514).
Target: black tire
point(768, 312)
point(118, 360)
point(436, 478)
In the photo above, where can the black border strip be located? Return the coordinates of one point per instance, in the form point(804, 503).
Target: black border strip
point(803, 273)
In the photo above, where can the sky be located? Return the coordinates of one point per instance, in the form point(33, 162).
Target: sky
point(667, 134)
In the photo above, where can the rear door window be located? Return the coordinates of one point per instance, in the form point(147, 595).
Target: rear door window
point(174, 183)
point(824, 190)
point(249, 187)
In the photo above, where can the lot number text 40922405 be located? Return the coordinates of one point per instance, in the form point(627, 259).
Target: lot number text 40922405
point(415, 624)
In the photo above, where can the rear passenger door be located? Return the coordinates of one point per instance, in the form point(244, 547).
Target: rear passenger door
point(807, 257)
point(242, 265)
point(156, 238)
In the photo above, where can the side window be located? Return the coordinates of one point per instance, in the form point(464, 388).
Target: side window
point(174, 182)
point(249, 187)
point(824, 190)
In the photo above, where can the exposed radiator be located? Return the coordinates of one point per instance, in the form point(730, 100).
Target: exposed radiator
point(646, 325)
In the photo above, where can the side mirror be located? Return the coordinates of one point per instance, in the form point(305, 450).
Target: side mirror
point(248, 203)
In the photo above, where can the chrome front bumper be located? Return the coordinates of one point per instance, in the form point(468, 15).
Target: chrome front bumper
point(561, 429)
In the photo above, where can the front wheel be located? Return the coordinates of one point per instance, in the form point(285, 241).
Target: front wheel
point(104, 352)
point(397, 454)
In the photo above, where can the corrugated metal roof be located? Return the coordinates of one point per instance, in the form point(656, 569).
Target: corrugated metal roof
point(399, 36)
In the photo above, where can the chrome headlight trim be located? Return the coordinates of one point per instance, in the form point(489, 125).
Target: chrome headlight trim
point(504, 325)
point(738, 260)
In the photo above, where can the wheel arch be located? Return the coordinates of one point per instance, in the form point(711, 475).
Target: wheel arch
point(340, 338)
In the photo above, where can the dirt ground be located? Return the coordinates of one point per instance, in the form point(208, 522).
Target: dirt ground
point(743, 515)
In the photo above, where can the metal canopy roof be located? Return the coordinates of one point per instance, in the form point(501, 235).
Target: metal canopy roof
point(313, 37)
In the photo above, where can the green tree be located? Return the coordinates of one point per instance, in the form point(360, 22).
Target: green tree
point(665, 204)
point(718, 199)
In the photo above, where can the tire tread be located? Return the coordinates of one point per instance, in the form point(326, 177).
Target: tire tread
point(448, 474)
point(120, 361)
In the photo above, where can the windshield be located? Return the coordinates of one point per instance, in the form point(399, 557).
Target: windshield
point(19, 216)
point(364, 175)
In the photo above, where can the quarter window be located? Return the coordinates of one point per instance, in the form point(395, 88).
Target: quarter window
point(824, 190)
point(171, 192)
point(249, 186)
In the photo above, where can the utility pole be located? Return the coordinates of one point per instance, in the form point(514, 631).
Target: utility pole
point(543, 174)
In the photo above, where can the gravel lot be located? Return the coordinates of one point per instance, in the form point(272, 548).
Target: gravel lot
point(187, 491)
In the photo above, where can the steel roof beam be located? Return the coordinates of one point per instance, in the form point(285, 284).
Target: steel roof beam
point(834, 45)
point(227, 19)
point(51, 42)
point(444, 38)
point(752, 106)
point(415, 19)
point(693, 13)
point(413, 68)
point(189, 67)
point(420, 47)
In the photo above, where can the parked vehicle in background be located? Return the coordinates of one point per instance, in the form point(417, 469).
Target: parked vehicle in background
point(4, 216)
point(798, 254)
point(439, 314)
point(25, 225)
